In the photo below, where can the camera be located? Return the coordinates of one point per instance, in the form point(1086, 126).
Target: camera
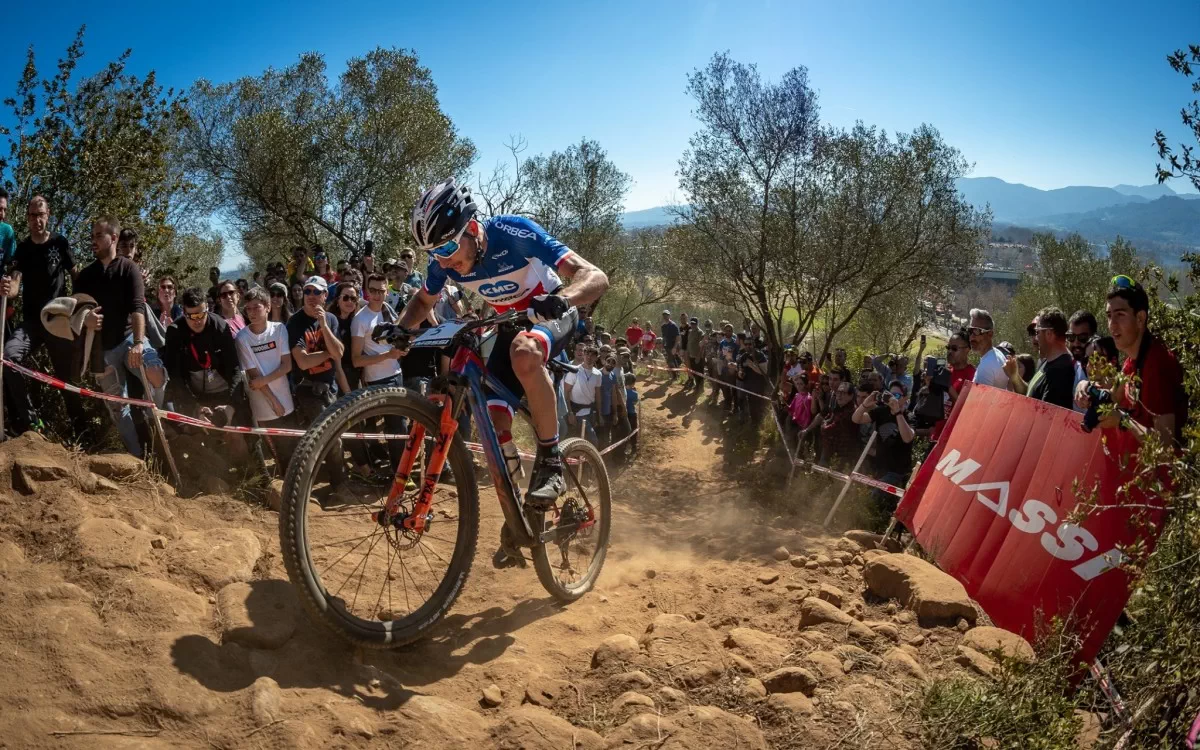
point(885, 397)
point(1096, 399)
point(368, 249)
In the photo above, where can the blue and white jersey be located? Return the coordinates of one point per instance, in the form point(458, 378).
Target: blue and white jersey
point(520, 262)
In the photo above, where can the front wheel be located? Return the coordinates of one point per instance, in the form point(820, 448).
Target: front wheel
point(574, 534)
point(358, 570)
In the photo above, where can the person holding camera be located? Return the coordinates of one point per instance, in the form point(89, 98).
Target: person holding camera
point(893, 447)
point(1156, 401)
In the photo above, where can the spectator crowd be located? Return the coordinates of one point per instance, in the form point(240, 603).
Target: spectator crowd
point(828, 411)
point(269, 351)
point(275, 349)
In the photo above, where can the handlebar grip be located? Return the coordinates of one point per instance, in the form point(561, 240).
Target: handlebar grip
point(390, 333)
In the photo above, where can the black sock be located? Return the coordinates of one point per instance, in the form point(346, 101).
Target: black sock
point(548, 448)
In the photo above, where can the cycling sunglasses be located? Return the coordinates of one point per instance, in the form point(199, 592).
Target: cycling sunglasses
point(1121, 281)
point(446, 250)
point(451, 247)
point(197, 316)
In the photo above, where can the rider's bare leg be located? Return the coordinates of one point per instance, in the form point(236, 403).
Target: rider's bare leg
point(529, 364)
point(528, 354)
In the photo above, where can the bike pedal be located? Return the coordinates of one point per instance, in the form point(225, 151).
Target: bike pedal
point(503, 559)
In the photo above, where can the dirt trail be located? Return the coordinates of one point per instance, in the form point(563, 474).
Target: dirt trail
point(131, 618)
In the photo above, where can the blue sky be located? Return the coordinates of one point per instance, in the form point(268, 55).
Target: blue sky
point(1047, 96)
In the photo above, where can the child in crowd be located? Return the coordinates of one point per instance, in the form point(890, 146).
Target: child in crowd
point(631, 400)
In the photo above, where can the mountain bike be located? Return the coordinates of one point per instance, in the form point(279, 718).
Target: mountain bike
point(383, 571)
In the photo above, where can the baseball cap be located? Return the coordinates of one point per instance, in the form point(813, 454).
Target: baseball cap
point(391, 262)
point(666, 312)
point(318, 283)
point(694, 320)
point(623, 351)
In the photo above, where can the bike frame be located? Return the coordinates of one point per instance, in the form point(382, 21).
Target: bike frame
point(472, 375)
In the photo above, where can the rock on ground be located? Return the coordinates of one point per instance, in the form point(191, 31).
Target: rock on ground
point(616, 649)
point(260, 614)
point(831, 594)
point(427, 722)
point(763, 650)
point(975, 661)
point(825, 665)
point(689, 650)
point(790, 680)
point(632, 701)
point(219, 557)
point(535, 728)
point(989, 640)
point(901, 661)
point(550, 692)
point(693, 728)
point(266, 701)
point(109, 543)
point(797, 704)
point(930, 593)
point(115, 465)
point(814, 611)
point(491, 696)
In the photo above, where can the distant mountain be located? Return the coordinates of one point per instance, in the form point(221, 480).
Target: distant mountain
point(650, 217)
point(1149, 192)
point(1021, 203)
point(1170, 220)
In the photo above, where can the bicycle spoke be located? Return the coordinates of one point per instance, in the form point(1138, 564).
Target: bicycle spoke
point(386, 583)
point(343, 557)
point(323, 545)
point(363, 574)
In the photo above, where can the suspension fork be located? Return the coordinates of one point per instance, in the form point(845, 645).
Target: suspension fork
point(447, 426)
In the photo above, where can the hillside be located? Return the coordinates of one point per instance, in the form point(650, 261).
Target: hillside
point(137, 619)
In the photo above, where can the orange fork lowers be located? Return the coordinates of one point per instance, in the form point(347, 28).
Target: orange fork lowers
point(415, 521)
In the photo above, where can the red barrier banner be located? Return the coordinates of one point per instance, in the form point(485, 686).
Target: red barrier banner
point(995, 504)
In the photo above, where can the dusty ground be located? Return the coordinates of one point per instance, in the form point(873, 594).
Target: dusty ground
point(132, 618)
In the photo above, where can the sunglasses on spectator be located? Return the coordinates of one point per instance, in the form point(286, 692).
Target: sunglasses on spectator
point(168, 287)
point(977, 331)
point(310, 291)
point(955, 348)
point(1079, 338)
point(1121, 281)
point(228, 293)
point(377, 290)
point(197, 316)
point(348, 298)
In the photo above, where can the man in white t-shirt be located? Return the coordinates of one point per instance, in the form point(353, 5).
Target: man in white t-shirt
point(580, 389)
point(262, 349)
point(449, 304)
point(991, 360)
point(380, 362)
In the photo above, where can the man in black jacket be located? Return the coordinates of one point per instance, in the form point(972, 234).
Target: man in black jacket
point(115, 282)
point(206, 377)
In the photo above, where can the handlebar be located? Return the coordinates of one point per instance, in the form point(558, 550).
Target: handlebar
point(392, 333)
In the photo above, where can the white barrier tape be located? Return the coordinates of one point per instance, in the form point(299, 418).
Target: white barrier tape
point(176, 416)
point(200, 423)
point(722, 383)
point(853, 476)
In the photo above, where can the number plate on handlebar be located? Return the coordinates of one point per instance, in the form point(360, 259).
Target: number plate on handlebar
point(439, 335)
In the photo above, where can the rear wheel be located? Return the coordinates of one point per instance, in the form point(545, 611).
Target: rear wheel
point(568, 562)
point(364, 576)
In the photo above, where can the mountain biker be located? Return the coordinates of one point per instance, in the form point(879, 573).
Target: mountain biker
point(514, 264)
